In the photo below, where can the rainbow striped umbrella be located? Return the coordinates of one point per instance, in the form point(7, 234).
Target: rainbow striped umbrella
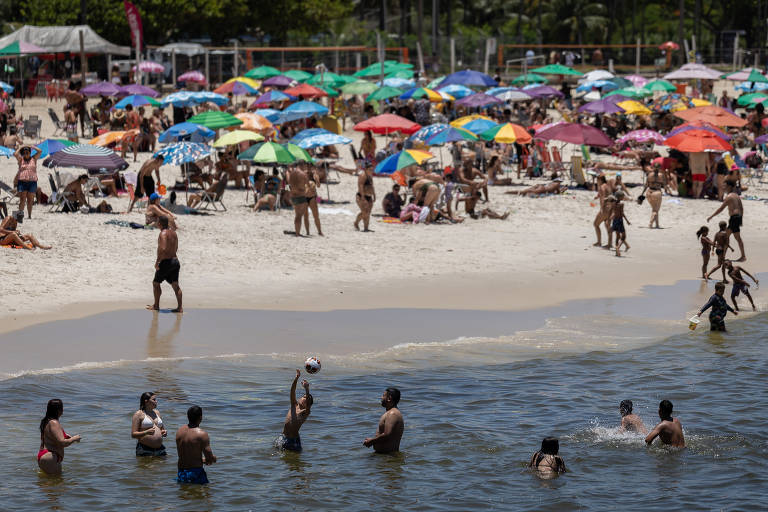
point(507, 133)
point(268, 153)
point(402, 159)
point(423, 92)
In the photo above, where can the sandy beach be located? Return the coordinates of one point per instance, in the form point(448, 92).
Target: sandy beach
point(540, 256)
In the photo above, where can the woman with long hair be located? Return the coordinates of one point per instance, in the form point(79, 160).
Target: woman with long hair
point(147, 427)
point(53, 439)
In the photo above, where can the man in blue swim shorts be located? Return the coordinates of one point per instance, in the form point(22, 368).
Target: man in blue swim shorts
point(194, 448)
point(297, 415)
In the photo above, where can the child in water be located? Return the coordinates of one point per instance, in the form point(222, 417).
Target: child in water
point(707, 248)
point(740, 284)
point(719, 307)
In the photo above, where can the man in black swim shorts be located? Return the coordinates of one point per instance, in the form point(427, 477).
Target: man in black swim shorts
point(167, 266)
point(732, 201)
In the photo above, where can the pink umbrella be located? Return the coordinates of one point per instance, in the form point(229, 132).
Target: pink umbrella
point(575, 134)
point(193, 76)
point(637, 80)
point(148, 66)
point(642, 136)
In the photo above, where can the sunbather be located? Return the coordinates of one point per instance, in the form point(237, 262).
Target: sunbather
point(196, 199)
point(9, 235)
point(155, 210)
point(556, 187)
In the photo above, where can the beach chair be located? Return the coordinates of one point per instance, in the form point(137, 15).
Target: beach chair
point(558, 164)
point(59, 200)
point(32, 128)
point(212, 199)
point(8, 194)
point(577, 171)
point(250, 188)
point(60, 127)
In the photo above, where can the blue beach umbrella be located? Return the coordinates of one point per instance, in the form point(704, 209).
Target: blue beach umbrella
point(8, 152)
point(269, 114)
point(190, 132)
point(606, 85)
point(137, 100)
point(450, 134)
point(179, 99)
point(428, 131)
point(404, 158)
point(50, 146)
point(479, 125)
point(206, 96)
point(456, 90)
point(183, 152)
point(318, 137)
point(272, 96)
point(302, 110)
point(6, 87)
point(469, 78)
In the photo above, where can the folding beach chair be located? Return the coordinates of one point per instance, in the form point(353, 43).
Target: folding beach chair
point(60, 127)
point(218, 193)
point(59, 200)
point(32, 128)
point(558, 164)
point(8, 194)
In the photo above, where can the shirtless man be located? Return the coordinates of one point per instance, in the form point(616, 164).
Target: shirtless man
point(167, 266)
point(740, 284)
point(722, 244)
point(298, 181)
point(630, 422)
point(467, 176)
point(617, 184)
point(145, 185)
point(77, 102)
point(669, 430)
point(603, 191)
point(194, 448)
point(736, 212)
point(391, 425)
point(297, 415)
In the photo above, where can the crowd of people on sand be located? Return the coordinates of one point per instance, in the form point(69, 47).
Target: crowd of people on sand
point(193, 444)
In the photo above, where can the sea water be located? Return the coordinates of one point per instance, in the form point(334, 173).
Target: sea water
point(475, 408)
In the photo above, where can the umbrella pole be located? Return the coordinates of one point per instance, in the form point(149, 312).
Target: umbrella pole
point(327, 185)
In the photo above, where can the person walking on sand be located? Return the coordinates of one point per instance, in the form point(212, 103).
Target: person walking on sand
point(391, 425)
point(53, 439)
point(630, 422)
point(654, 183)
point(297, 415)
point(707, 248)
point(721, 248)
point(365, 197)
point(194, 448)
point(736, 213)
point(26, 177)
point(167, 265)
point(603, 191)
point(617, 222)
point(739, 283)
point(669, 430)
point(719, 307)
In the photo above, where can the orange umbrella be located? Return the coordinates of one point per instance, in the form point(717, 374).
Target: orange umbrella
point(253, 122)
point(306, 91)
point(711, 114)
point(105, 139)
point(696, 141)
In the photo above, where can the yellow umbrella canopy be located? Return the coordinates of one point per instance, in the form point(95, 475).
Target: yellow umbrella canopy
point(236, 137)
point(634, 107)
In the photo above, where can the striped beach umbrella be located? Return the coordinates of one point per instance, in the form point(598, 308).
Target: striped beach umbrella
point(507, 133)
point(180, 153)
point(267, 153)
point(237, 88)
point(137, 100)
point(423, 92)
point(236, 137)
point(192, 76)
point(402, 159)
point(215, 119)
point(86, 156)
point(642, 136)
point(450, 134)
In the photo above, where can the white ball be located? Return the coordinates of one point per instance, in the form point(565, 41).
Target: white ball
point(312, 365)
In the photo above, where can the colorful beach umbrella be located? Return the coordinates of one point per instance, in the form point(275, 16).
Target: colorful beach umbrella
point(755, 97)
point(575, 133)
point(136, 89)
point(51, 146)
point(699, 125)
point(632, 107)
point(422, 92)
point(642, 136)
point(262, 72)
point(469, 78)
point(236, 87)
point(215, 119)
point(383, 93)
point(279, 81)
point(529, 78)
point(250, 82)
point(236, 137)
point(741, 75)
point(456, 90)
point(271, 97)
point(401, 160)
point(462, 121)
point(267, 153)
point(670, 103)
point(697, 141)
point(660, 85)
point(192, 76)
point(387, 123)
point(507, 133)
point(450, 134)
point(86, 156)
point(711, 114)
point(191, 132)
point(180, 153)
point(318, 137)
point(101, 89)
point(359, 87)
point(253, 121)
point(428, 131)
point(136, 100)
point(435, 83)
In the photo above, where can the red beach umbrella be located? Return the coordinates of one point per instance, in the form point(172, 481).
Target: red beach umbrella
point(575, 134)
point(388, 123)
point(696, 141)
point(711, 114)
point(306, 91)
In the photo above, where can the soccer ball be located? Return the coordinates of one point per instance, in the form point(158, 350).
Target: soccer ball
point(312, 365)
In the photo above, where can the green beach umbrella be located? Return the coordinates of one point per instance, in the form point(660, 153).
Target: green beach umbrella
point(215, 119)
point(756, 77)
point(298, 75)
point(660, 85)
point(262, 72)
point(390, 66)
point(530, 78)
point(556, 69)
point(236, 137)
point(359, 87)
point(383, 93)
point(327, 78)
point(754, 97)
point(267, 153)
point(333, 93)
point(405, 74)
point(434, 83)
point(298, 153)
point(631, 92)
point(347, 79)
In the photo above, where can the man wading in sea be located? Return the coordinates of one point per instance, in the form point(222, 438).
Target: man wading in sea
point(296, 417)
point(194, 448)
point(629, 421)
point(167, 266)
point(391, 425)
point(670, 430)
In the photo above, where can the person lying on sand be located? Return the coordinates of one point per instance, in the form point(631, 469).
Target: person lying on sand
point(10, 236)
point(556, 187)
point(470, 202)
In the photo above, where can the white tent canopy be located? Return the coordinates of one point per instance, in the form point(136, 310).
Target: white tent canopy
point(188, 49)
point(64, 39)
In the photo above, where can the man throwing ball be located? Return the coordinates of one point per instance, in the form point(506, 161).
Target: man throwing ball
point(391, 425)
point(296, 417)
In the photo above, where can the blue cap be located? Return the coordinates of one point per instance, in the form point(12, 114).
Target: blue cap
point(154, 196)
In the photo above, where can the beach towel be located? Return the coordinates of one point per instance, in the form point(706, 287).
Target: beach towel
point(334, 211)
point(126, 224)
point(391, 220)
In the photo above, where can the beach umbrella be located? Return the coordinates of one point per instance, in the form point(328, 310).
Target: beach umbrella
point(400, 83)
point(478, 100)
point(507, 133)
point(632, 107)
point(279, 81)
point(306, 109)
point(254, 84)
point(450, 134)
point(478, 126)
point(670, 103)
point(543, 91)
point(325, 78)
point(267, 153)
point(262, 72)
point(179, 99)
point(136, 89)
point(180, 153)
point(383, 93)
point(107, 138)
point(390, 66)
point(529, 78)
point(456, 90)
point(297, 74)
point(306, 91)
point(318, 137)
point(741, 75)
point(513, 95)
point(597, 84)
point(237, 88)
point(148, 66)
point(348, 79)
point(422, 92)
point(576, 134)
point(556, 69)
point(697, 141)
point(469, 78)
point(101, 89)
point(660, 85)
point(604, 106)
point(597, 74)
point(387, 123)
point(136, 100)
point(428, 131)
point(271, 97)
point(209, 96)
point(332, 93)
point(6, 87)
point(401, 160)
point(269, 114)
point(51, 146)
point(253, 121)
point(756, 77)
point(86, 156)
point(693, 71)
point(299, 153)
point(699, 102)
point(359, 87)
point(636, 80)
point(215, 119)
point(464, 120)
point(192, 76)
point(621, 82)
point(713, 115)
point(236, 137)
point(632, 92)
point(437, 82)
point(403, 73)
point(21, 48)
point(699, 125)
point(191, 132)
point(642, 136)
point(755, 97)
point(7, 152)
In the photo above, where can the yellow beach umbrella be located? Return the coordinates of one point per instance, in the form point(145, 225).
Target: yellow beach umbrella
point(634, 107)
point(236, 137)
point(247, 81)
point(105, 139)
point(458, 123)
point(698, 102)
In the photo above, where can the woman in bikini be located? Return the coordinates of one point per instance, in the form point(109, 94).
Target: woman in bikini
point(314, 180)
point(365, 197)
point(53, 439)
point(654, 183)
point(546, 462)
point(494, 168)
point(9, 235)
point(147, 428)
point(368, 150)
point(427, 193)
point(707, 248)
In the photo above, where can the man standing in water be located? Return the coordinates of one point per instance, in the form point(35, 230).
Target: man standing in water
point(194, 448)
point(167, 266)
point(296, 417)
point(736, 212)
point(391, 425)
point(669, 430)
point(629, 421)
